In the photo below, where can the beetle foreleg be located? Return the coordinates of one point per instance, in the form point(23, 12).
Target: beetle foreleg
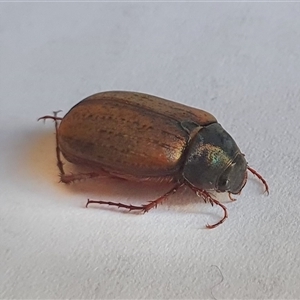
point(214, 201)
point(260, 178)
point(143, 208)
point(208, 198)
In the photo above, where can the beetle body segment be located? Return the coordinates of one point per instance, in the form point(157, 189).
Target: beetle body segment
point(129, 133)
point(214, 161)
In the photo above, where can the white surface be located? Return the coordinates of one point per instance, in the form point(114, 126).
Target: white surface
point(240, 61)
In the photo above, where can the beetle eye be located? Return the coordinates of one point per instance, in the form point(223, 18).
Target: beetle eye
point(223, 183)
point(233, 178)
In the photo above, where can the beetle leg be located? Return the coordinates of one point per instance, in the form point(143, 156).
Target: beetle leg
point(154, 203)
point(59, 161)
point(143, 208)
point(208, 198)
point(69, 178)
point(51, 117)
point(260, 178)
point(60, 164)
point(230, 197)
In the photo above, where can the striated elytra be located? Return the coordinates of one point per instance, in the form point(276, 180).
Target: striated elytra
point(140, 137)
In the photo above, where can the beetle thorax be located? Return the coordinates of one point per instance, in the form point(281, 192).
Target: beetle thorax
point(212, 152)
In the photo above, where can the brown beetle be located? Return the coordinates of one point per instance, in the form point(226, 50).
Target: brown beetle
point(141, 137)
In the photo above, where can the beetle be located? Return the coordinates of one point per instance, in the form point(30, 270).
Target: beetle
point(140, 137)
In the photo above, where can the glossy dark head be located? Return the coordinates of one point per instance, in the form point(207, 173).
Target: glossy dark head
point(234, 176)
point(214, 161)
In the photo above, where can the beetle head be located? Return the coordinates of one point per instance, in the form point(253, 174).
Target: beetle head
point(214, 161)
point(234, 176)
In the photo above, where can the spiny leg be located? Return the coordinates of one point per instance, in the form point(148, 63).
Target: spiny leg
point(143, 208)
point(59, 161)
point(55, 118)
point(208, 198)
point(260, 178)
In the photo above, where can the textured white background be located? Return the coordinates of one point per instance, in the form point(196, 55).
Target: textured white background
point(240, 61)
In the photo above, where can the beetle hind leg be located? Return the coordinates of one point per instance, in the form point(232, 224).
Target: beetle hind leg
point(59, 161)
point(143, 208)
point(54, 117)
